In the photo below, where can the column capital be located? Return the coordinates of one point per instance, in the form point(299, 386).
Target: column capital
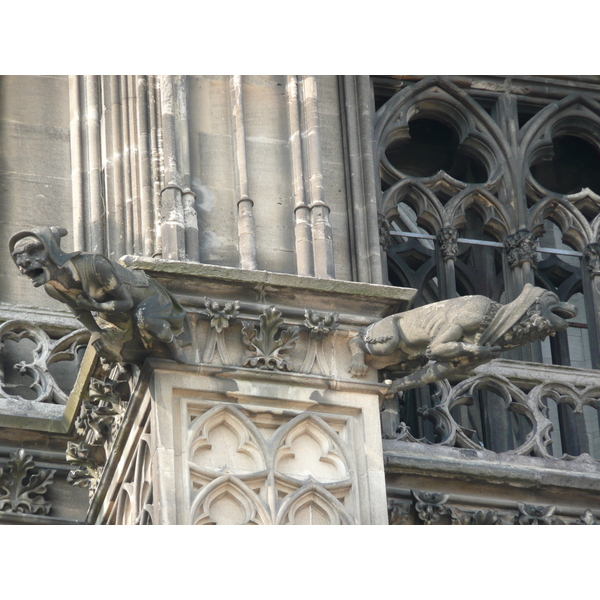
point(521, 247)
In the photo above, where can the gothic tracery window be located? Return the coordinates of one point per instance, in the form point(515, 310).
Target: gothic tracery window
point(482, 194)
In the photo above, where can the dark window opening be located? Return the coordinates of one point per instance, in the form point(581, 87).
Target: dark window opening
point(525, 113)
point(574, 166)
point(434, 147)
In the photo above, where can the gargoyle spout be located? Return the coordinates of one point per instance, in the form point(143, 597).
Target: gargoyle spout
point(132, 315)
point(438, 340)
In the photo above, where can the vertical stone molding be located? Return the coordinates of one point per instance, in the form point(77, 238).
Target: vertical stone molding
point(246, 224)
point(302, 226)
point(319, 211)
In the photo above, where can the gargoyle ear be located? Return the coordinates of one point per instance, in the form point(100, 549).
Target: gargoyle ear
point(58, 232)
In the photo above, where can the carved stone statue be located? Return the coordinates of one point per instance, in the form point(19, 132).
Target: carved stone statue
point(432, 342)
point(131, 314)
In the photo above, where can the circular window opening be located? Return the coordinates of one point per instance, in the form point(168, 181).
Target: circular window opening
point(574, 166)
point(434, 147)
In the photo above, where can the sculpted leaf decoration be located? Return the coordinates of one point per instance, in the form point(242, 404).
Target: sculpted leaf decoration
point(587, 518)
point(97, 425)
point(267, 345)
point(320, 325)
point(537, 515)
point(22, 491)
point(87, 465)
point(220, 317)
point(430, 506)
point(398, 512)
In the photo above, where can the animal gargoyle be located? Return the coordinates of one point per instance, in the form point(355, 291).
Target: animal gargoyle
point(438, 340)
point(130, 314)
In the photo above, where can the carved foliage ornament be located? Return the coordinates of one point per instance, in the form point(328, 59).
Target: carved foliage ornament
point(521, 247)
point(385, 238)
point(448, 242)
point(97, 425)
point(434, 508)
point(267, 345)
point(592, 254)
point(22, 491)
point(220, 320)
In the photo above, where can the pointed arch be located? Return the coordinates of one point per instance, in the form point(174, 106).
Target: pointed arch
point(230, 499)
point(575, 229)
point(312, 504)
point(323, 457)
point(247, 454)
point(496, 220)
point(429, 210)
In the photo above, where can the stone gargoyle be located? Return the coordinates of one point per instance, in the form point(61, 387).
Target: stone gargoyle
point(130, 314)
point(436, 341)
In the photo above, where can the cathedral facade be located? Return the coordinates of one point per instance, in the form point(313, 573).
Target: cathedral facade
point(285, 215)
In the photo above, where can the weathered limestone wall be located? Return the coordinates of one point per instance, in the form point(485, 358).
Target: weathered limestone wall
point(35, 169)
point(269, 176)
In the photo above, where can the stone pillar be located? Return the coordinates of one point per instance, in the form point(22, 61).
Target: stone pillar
point(521, 256)
point(591, 282)
point(447, 251)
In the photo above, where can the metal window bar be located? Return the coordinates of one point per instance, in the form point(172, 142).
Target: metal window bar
point(426, 236)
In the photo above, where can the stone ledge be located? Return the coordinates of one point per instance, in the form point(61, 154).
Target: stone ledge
point(441, 462)
point(265, 287)
point(530, 373)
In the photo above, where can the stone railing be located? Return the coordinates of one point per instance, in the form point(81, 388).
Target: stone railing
point(526, 409)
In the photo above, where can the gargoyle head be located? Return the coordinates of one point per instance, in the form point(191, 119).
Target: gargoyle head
point(38, 254)
point(555, 311)
point(543, 315)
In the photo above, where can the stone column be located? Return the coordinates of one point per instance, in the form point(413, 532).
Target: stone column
point(591, 282)
point(447, 250)
point(520, 252)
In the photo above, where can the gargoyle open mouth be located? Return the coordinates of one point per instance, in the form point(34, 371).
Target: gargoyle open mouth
point(35, 274)
point(564, 310)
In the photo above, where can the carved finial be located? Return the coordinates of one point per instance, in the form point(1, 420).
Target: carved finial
point(521, 247)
